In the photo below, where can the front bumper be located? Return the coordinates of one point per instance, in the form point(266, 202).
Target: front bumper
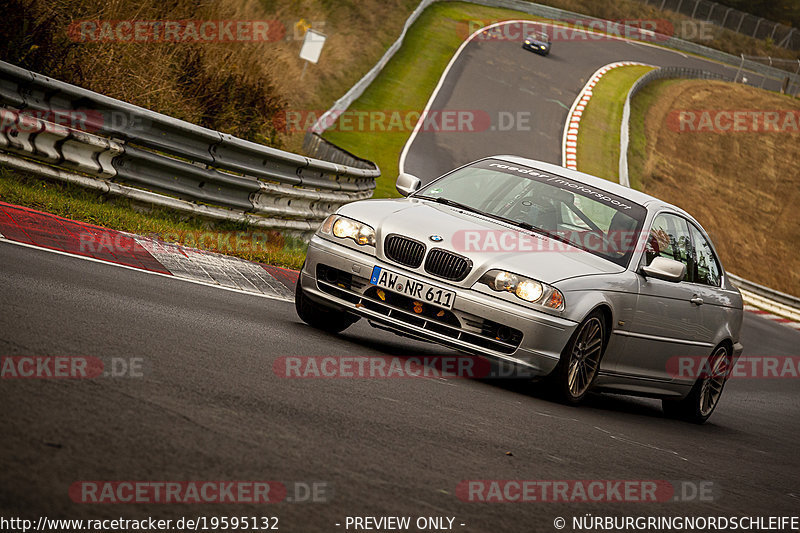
point(338, 276)
point(536, 48)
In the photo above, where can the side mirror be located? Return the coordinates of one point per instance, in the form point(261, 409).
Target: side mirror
point(407, 184)
point(665, 269)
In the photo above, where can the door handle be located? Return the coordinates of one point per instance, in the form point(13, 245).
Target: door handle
point(696, 300)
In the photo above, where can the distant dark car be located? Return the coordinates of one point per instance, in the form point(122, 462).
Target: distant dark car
point(538, 43)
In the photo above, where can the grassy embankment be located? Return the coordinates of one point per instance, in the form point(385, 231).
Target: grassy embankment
point(407, 82)
point(598, 135)
point(742, 186)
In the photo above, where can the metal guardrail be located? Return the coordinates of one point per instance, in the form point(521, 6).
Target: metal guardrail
point(657, 74)
point(776, 296)
point(753, 293)
point(115, 141)
point(315, 145)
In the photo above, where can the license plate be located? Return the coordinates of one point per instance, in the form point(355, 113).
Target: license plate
point(418, 290)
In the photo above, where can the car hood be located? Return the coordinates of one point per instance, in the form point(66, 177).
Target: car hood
point(478, 238)
point(537, 41)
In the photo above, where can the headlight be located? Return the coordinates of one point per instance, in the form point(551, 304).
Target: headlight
point(529, 290)
point(347, 228)
point(527, 42)
point(524, 288)
point(542, 47)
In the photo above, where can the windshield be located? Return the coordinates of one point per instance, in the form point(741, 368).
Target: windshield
point(588, 218)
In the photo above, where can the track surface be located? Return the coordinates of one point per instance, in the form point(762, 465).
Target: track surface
point(499, 77)
point(210, 407)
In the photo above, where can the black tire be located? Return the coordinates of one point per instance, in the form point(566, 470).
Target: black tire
point(318, 316)
point(706, 392)
point(575, 373)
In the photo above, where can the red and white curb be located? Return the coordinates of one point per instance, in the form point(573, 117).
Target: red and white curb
point(212, 268)
point(44, 231)
point(769, 316)
point(569, 141)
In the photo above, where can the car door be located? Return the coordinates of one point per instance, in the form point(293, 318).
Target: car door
point(668, 322)
point(717, 303)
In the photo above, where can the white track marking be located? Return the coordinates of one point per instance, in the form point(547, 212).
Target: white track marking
point(187, 280)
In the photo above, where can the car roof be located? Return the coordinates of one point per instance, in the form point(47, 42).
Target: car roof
point(650, 202)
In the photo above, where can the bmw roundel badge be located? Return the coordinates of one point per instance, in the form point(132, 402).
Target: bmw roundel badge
point(436, 238)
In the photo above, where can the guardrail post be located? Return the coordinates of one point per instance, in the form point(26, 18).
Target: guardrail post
point(756, 29)
point(725, 18)
point(741, 66)
point(786, 42)
point(741, 20)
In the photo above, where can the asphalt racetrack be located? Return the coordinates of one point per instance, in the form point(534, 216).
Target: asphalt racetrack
point(527, 96)
point(209, 406)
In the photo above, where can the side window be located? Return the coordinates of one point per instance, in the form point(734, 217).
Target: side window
point(706, 268)
point(669, 237)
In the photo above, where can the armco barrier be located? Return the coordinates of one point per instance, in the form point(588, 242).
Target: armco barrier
point(138, 148)
point(754, 294)
point(314, 144)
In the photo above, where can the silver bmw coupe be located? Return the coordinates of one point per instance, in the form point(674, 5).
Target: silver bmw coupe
point(585, 283)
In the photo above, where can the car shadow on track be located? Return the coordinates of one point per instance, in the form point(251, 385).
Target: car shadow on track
point(405, 348)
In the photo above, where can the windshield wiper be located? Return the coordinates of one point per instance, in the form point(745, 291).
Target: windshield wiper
point(452, 203)
point(517, 223)
point(535, 229)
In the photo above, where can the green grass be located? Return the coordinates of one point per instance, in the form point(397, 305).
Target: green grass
point(598, 135)
point(77, 203)
point(637, 149)
point(408, 80)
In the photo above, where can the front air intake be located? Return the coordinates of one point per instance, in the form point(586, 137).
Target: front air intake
point(403, 250)
point(447, 265)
